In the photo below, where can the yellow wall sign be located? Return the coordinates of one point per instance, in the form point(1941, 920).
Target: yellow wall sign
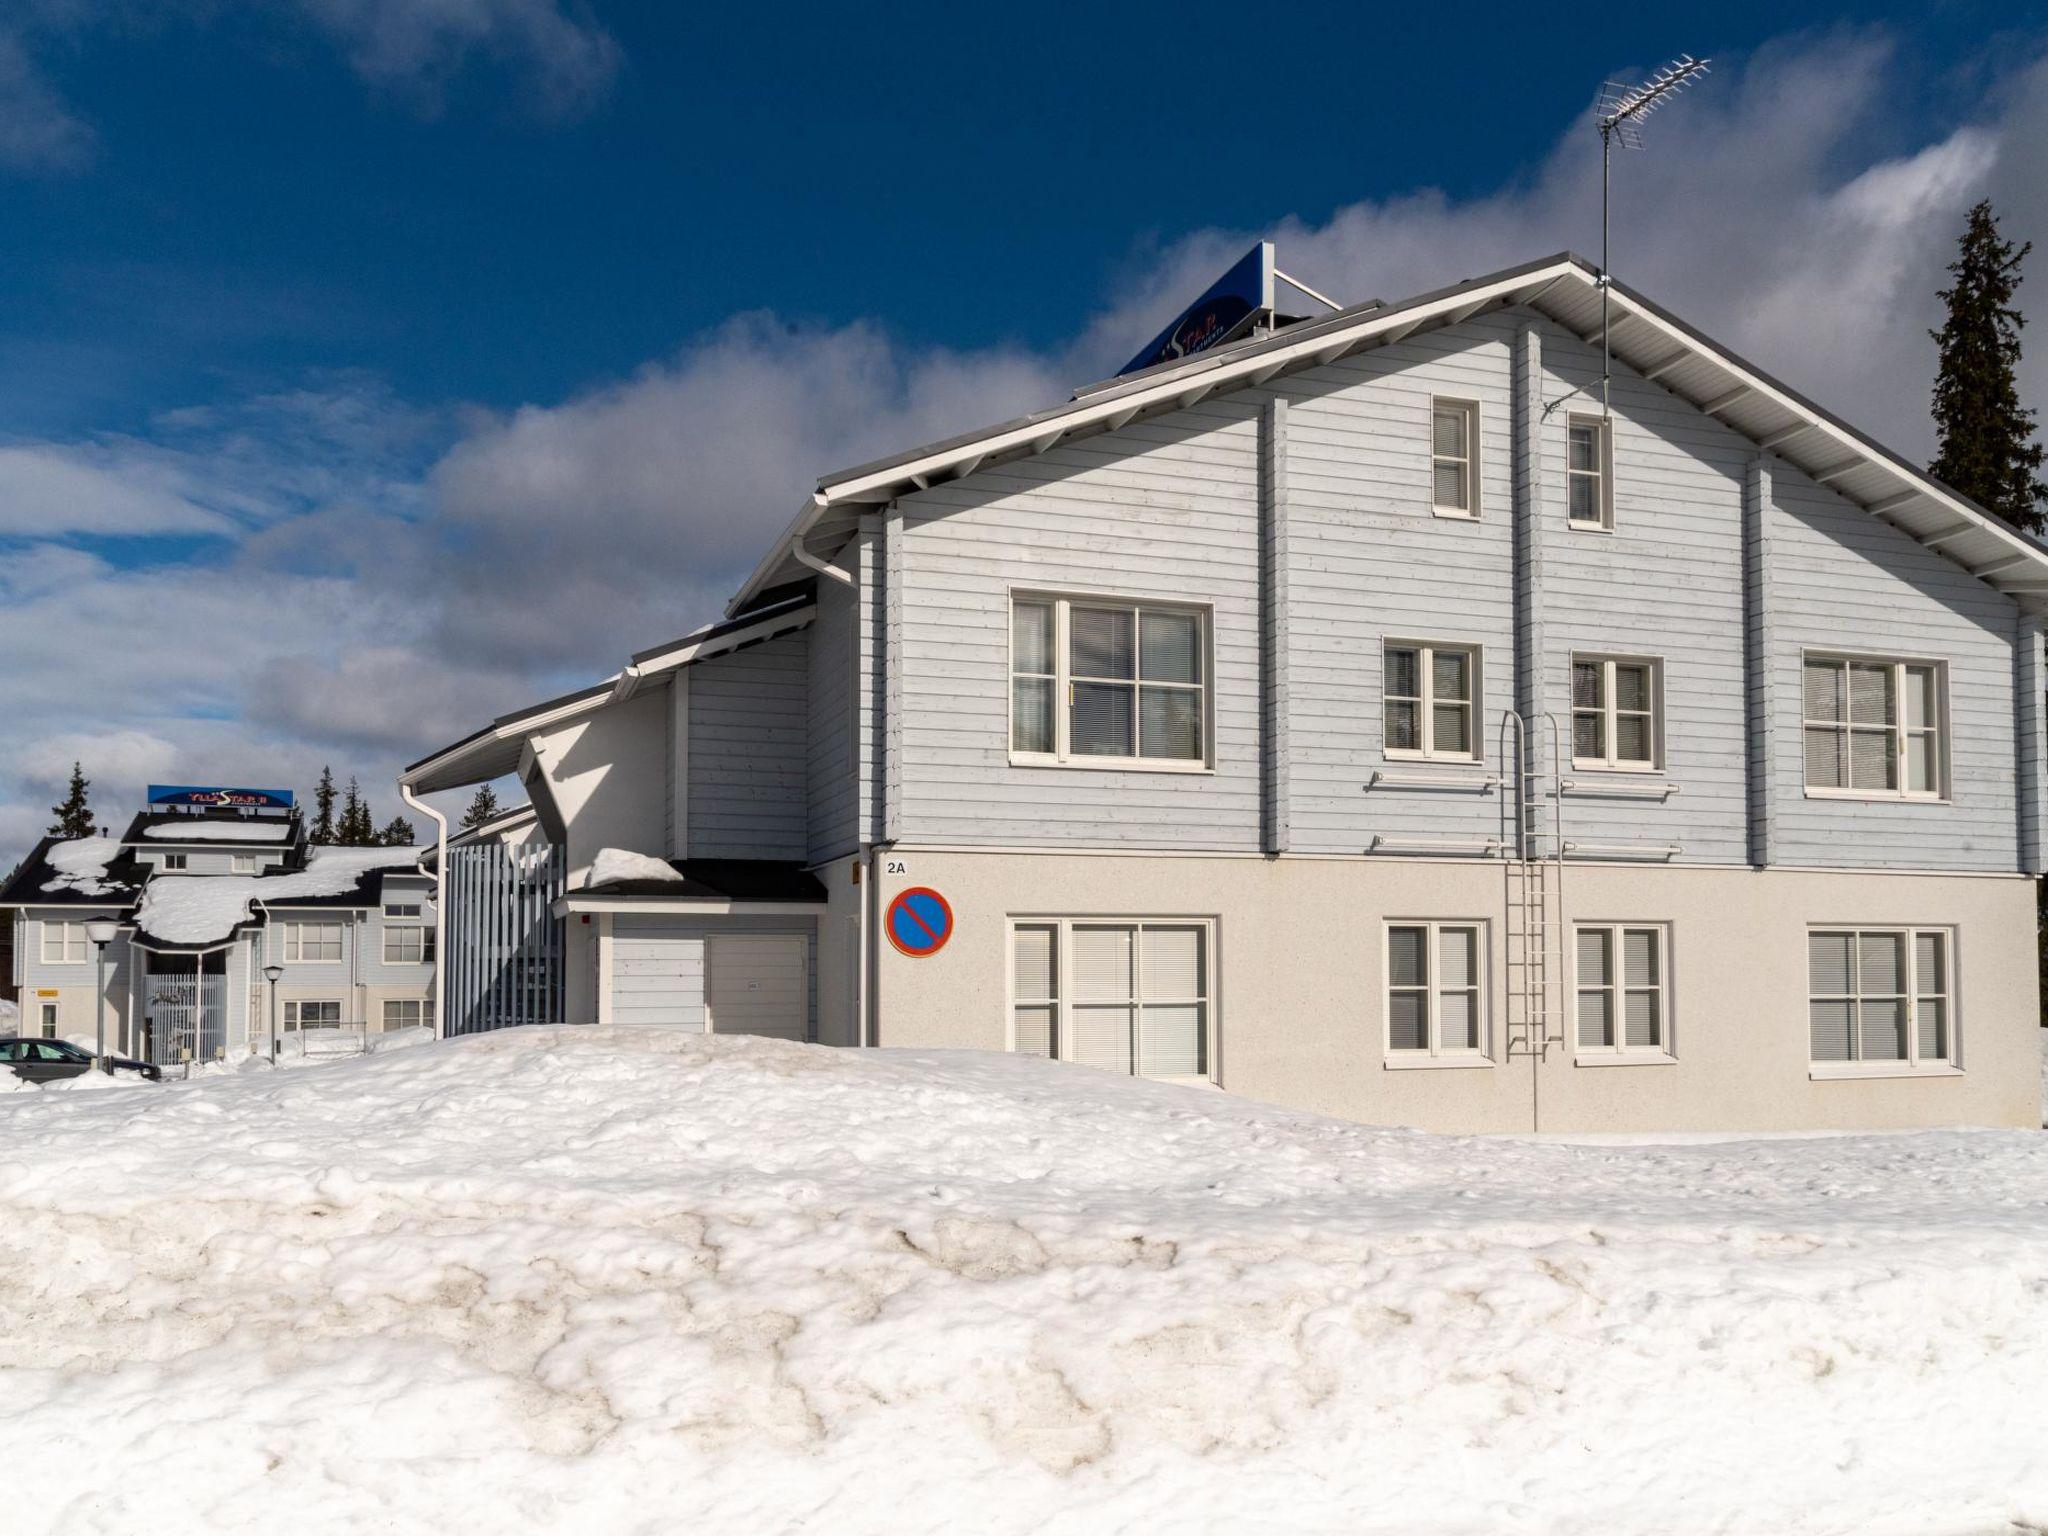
point(46, 992)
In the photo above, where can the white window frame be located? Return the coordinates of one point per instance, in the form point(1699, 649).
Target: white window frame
point(70, 936)
point(1610, 712)
point(1469, 409)
point(1901, 733)
point(48, 1018)
point(1617, 988)
point(1603, 476)
point(1407, 1058)
point(1063, 680)
point(1950, 1065)
point(404, 911)
point(1426, 704)
point(1063, 1000)
point(175, 862)
point(242, 864)
point(418, 934)
point(422, 1010)
point(294, 941)
point(295, 1013)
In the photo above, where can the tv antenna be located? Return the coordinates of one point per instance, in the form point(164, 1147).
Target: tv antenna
point(1622, 109)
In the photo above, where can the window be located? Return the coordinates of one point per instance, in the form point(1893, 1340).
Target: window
point(1107, 682)
point(1873, 727)
point(47, 1019)
point(403, 910)
point(312, 941)
point(1624, 990)
point(301, 1013)
point(63, 943)
point(408, 1013)
point(1587, 474)
point(411, 944)
point(1126, 995)
point(1454, 437)
point(174, 861)
point(242, 863)
point(1428, 698)
point(1434, 991)
point(1614, 712)
point(1881, 998)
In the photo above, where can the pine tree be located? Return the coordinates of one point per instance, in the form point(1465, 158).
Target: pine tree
point(397, 833)
point(323, 808)
point(74, 816)
point(481, 809)
point(355, 829)
point(1984, 434)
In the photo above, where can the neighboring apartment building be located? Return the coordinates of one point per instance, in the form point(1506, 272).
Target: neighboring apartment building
point(209, 887)
point(1356, 717)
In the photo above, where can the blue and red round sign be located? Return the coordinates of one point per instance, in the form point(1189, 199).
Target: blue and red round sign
point(919, 922)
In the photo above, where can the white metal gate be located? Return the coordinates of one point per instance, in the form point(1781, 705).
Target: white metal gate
point(185, 1019)
point(504, 960)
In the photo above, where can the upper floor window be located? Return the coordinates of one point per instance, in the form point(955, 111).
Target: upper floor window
point(1454, 438)
point(312, 941)
point(411, 944)
point(1622, 990)
point(1107, 683)
point(1434, 991)
point(402, 910)
point(174, 861)
point(1589, 471)
point(1614, 712)
point(1881, 998)
point(1429, 694)
point(1873, 727)
point(63, 943)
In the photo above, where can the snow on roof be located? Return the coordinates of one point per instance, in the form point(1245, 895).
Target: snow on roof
point(206, 909)
point(81, 865)
point(615, 864)
point(193, 829)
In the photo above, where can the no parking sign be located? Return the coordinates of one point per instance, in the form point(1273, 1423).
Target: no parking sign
point(919, 922)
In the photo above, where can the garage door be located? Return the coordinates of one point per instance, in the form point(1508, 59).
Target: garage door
point(757, 985)
point(657, 974)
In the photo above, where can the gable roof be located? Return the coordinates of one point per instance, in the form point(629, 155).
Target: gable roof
point(1564, 288)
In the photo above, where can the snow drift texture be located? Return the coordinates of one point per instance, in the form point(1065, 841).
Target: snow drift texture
point(592, 1281)
point(204, 909)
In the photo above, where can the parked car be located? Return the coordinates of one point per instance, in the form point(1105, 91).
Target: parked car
point(45, 1061)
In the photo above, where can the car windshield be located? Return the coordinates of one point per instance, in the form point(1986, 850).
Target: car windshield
point(60, 1050)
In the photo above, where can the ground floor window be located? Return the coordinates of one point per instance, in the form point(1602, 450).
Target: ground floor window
point(47, 1020)
point(305, 1013)
point(1129, 994)
point(1623, 989)
point(408, 1013)
point(1881, 997)
point(1435, 990)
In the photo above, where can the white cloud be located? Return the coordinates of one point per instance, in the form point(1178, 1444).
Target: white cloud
point(417, 45)
point(38, 132)
point(49, 490)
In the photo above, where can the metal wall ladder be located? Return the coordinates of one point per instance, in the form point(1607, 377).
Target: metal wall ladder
point(1532, 849)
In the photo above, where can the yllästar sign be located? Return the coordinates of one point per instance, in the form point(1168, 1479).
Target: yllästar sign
point(919, 922)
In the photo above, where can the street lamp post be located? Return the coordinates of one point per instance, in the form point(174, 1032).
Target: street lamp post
point(102, 933)
point(271, 974)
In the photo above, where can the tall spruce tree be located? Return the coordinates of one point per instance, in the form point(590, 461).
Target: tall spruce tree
point(74, 816)
point(397, 833)
point(1985, 435)
point(481, 809)
point(355, 829)
point(323, 808)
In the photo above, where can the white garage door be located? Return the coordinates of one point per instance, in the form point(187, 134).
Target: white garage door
point(657, 974)
point(757, 985)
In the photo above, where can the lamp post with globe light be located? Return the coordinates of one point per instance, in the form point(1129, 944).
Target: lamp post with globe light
point(102, 932)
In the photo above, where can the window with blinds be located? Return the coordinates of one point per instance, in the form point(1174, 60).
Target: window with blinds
point(1102, 683)
point(1881, 998)
point(1873, 728)
point(1126, 995)
point(1435, 991)
point(1428, 695)
point(1622, 987)
point(1616, 704)
point(1590, 502)
point(1454, 458)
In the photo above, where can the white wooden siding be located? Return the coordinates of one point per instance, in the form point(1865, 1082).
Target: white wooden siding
point(749, 769)
point(832, 664)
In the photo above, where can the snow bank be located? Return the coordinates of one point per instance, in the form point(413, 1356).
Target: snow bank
point(202, 909)
point(81, 865)
point(615, 864)
point(548, 1280)
point(10, 1017)
point(201, 830)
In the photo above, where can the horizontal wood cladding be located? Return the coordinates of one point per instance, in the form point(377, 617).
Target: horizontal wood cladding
point(749, 758)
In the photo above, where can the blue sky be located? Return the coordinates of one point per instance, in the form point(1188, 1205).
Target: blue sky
point(367, 366)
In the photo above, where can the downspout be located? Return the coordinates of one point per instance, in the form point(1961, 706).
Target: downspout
point(802, 556)
point(440, 904)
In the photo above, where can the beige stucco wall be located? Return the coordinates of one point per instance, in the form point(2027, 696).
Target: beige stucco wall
point(1300, 989)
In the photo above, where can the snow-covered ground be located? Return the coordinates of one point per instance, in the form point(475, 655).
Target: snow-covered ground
point(596, 1281)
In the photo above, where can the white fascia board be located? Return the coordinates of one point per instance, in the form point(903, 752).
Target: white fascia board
point(682, 906)
point(703, 650)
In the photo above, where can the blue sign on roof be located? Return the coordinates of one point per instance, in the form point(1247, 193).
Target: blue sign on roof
point(176, 796)
point(1219, 315)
